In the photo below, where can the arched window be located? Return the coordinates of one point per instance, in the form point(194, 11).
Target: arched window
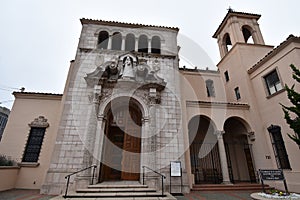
point(116, 41)
point(247, 34)
point(130, 42)
point(210, 88)
point(103, 40)
point(143, 44)
point(155, 45)
point(227, 42)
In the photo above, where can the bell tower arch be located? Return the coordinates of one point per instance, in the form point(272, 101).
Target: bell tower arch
point(238, 27)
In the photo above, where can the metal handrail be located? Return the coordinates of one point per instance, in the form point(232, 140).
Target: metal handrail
point(69, 175)
point(162, 178)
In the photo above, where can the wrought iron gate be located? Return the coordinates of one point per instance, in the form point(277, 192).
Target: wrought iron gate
point(205, 162)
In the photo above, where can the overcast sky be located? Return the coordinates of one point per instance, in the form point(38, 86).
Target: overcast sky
point(39, 38)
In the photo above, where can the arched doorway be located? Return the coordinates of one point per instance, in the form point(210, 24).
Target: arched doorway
point(204, 151)
point(122, 143)
point(238, 151)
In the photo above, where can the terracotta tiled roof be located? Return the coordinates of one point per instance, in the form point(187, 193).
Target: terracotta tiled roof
point(122, 24)
point(233, 13)
point(289, 39)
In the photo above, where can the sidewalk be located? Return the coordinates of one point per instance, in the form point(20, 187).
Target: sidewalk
point(19, 194)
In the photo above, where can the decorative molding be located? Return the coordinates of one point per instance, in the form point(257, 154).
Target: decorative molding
point(222, 105)
point(40, 122)
point(28, 164)
point(251, 136)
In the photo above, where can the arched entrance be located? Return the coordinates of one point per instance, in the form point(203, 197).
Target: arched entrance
point(204, 151)
point(122, 142)
point(238, 151)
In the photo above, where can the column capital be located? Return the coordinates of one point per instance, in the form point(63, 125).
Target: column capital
point(145, 119)
point(101, 118)
point(219, 133)
point(251, 135)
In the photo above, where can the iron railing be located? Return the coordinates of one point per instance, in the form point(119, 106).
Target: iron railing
point(68, 177)
point(161, 175)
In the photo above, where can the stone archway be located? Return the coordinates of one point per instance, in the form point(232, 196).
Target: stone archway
point(122, 142)
point(204, 151)
point(238, 151)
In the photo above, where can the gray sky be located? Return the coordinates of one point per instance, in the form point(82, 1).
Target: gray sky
point(39, 38)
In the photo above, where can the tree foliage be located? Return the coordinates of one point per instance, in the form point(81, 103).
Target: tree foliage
point(294, 98)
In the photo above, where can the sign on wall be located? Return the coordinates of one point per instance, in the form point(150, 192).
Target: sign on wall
point(176, 168)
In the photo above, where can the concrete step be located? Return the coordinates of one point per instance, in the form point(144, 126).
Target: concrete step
point(98, 186)
point(111, 189)
point(115, 194)
point(223, 187)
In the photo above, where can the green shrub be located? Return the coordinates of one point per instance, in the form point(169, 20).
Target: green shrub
point(5, 161)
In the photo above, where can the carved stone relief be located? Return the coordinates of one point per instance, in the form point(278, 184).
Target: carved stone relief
point(126, 73)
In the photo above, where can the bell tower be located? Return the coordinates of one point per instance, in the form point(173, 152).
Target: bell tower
point(238, 27)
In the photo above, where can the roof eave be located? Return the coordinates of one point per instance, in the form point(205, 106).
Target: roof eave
point(230, 14)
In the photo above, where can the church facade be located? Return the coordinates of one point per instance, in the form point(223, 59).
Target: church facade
point(128, 107)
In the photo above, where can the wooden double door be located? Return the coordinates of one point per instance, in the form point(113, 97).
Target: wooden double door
point(122, 145)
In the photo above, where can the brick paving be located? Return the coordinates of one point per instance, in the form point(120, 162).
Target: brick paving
point(19, 194)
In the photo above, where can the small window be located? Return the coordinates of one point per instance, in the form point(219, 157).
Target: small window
point(34, 143)
point(272, 82)
point(279, 147)
point(210, 88)
point(237, 93)
point(226, 76)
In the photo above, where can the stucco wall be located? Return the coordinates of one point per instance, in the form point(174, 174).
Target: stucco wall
point(26, 108)
point(8, 177)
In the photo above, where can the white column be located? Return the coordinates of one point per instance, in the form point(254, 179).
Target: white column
point(136, 44)
point(223, 157)
point(109, 42)
point(149, 45)
point(123, 43)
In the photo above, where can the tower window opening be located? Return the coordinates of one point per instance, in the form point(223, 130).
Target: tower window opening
point(130, 42)
point(227, 42)
point(116, 41)
point(143, 44)
point(247, 35)
point(103, 40)
point(155, 45)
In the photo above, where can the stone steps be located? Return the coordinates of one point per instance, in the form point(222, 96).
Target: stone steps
point(118, 191)
point(223, 187)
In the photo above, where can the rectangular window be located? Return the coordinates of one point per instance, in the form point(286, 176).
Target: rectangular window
point(226, 76)
point(272, 82)
point(34, 143)
point(279, 147)
point(210, 88)
point(237, 93)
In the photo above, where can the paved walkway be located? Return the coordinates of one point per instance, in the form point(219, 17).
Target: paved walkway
point(19, 194)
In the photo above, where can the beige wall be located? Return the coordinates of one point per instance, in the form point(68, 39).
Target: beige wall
point(26, 108)
point(8, 176)
point(270, 109)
